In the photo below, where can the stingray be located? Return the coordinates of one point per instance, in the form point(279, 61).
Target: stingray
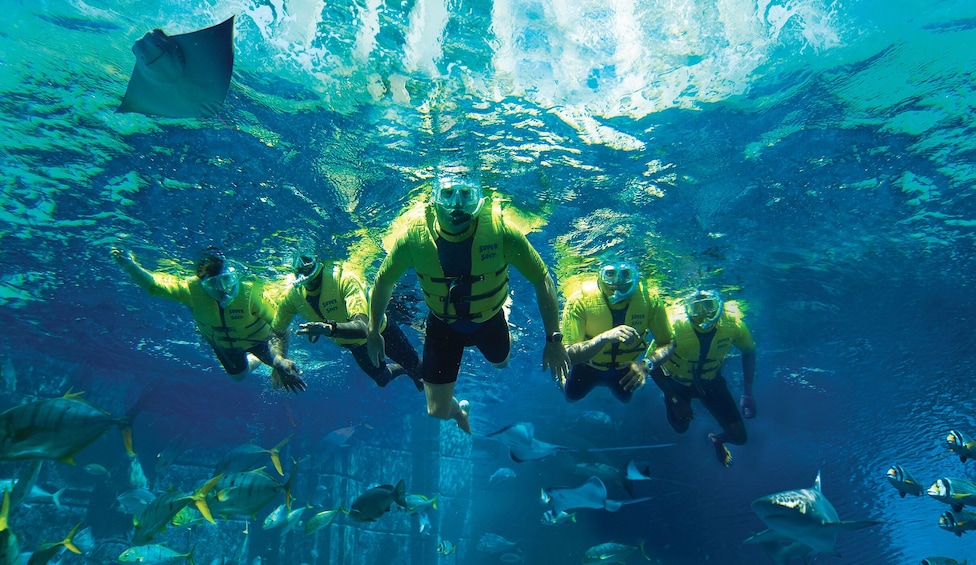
point(181, 76)
point(522, 445)
point(591, 494)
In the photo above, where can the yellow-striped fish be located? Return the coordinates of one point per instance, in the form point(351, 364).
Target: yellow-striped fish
point(243, 494)
point(56, 428)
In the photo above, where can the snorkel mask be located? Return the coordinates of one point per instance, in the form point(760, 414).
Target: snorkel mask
point(224, 287)
point(458, 198)
point(704, 308)
point(306, 268)
point(619, 281)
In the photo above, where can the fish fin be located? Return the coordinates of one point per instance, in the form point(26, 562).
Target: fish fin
point(71, 394)
point(125, 428)
point(199, 497)
point(902, 493)
point(275, 453)
point(291, 478)
point(851, 525)
point(767, 536)
point(400, 493)
point(4, 510)
point(56, 498)
point(68, 540)
point(69, 459)
point(643, 552)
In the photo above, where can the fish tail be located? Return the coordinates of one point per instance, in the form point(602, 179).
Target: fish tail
point(125, 427)
point(71, 394)
point(434, 504)
point(400, 494)
point(199, 498)
point(68, 540)
point(189, 554)
point(291, 478)
point(56, 498)
point(275, 453)
point(643, 552)
point(4, 510)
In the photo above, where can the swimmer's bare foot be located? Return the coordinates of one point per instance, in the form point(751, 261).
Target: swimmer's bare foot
point(462, 416)
point(721, 452)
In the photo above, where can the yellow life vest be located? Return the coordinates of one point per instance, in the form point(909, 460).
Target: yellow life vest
point(239, 325)
point(683, 363)
point(599, 319)
point(489, 270)
point(331, 300)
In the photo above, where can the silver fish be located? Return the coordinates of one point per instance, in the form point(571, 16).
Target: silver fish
point(169, 453)
point(135, 500)
point(276, 517)
point(611, 553)
point(249, 456)
point(157, 514)
point(502, 474)
point(494, 543)
point(954, 492)
point(245, 493)
point(25, 489)
point(56, 428)
point(417, 503)
point(321, 520)
point(901, 479)
point(551, 518)
point(423, 524)
point(961, 444)
point(153, 555)
point(957, 522)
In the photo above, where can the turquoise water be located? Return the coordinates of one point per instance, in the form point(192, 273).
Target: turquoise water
point(813, 159)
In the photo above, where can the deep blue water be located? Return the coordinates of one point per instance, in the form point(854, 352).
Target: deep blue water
point(813, 159)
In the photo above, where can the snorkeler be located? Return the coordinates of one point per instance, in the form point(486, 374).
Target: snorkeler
point(332, 300)
point(231, 313)
point(461, 248)
point(703, 335)
point(607, 321)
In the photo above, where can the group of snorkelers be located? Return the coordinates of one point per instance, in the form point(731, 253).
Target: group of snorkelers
point(614, 331)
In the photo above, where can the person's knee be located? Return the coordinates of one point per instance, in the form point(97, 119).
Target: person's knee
point(503, 363)
point(573, 397)
point(737, 434)
point(239, 376)
point(679, 414)
point(680, 426)
point(441, 411)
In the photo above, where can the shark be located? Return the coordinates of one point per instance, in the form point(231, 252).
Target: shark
point(801, 523)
